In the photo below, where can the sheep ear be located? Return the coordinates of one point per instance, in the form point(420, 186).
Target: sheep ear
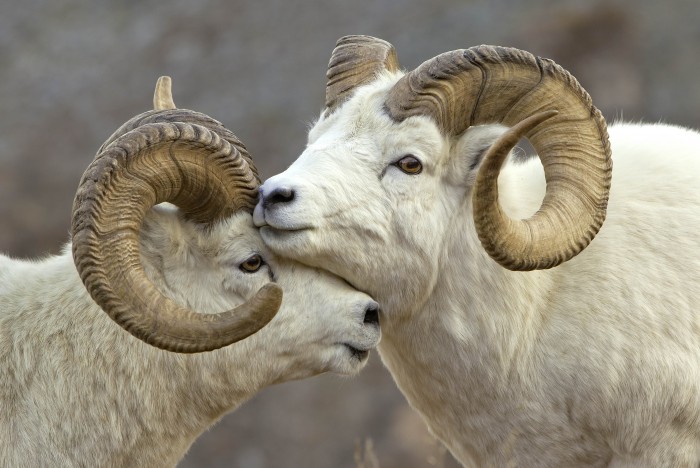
point(165, 229)
point(471, 147)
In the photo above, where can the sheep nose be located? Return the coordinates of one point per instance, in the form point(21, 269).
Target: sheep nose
point(372, 314)
point(278, 195)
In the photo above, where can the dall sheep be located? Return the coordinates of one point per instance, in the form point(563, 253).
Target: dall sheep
point(78, 390)
point(401, 192)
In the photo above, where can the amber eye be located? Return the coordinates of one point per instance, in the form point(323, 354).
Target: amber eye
point(252, 264)
point(410, 164)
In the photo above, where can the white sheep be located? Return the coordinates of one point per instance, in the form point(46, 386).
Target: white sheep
point(593, 363)
point(78, 390)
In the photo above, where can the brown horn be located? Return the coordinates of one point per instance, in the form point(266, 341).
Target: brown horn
point(159, 158)
point(488, 84)
point(356, 60)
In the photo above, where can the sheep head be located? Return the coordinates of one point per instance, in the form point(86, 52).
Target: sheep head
point(164, 155)
point(394, 157)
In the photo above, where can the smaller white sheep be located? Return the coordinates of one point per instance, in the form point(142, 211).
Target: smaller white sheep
point(78, 390)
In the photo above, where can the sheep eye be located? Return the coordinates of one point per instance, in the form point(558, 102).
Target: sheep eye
point(410, 164)
point(252, 264)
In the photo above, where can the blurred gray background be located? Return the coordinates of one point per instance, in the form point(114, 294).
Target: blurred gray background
point(71, 72)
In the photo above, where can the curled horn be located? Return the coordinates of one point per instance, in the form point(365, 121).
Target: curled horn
point(165, 155)
point(486, 85)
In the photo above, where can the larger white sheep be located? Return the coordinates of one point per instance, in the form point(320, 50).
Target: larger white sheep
point(593, 363)
point(78, 390)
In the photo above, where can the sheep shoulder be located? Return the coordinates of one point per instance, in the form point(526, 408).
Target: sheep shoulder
point(606, 343)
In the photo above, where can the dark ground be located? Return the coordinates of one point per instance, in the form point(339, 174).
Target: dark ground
point(72, 72)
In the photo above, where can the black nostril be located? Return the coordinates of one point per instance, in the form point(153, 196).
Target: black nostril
point(372, 315)
point(279, 195)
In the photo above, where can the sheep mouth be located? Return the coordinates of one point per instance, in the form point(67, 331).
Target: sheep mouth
point(263, 219)
point(283, 239)
point(357, 353)
point(290, 229)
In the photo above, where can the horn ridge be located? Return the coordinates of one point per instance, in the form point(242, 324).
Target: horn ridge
point(184, 116)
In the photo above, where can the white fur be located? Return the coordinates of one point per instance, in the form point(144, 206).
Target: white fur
point(593, 363)
point(77, 390)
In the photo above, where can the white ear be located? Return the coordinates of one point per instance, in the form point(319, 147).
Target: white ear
point(471, 147)
point(165, 233)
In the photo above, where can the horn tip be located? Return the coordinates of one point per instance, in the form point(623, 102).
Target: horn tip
point(528, 124)
point(272, 293)
point(163, 95)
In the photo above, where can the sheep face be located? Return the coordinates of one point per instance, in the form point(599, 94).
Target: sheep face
point(390, 166)
point(323, 324)
point(373, 200)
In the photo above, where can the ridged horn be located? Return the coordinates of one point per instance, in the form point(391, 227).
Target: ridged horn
point(176, 156)
point(356, 60)
point(487, 85)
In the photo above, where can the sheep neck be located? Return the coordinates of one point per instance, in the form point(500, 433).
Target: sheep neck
point(128, 404)
point(472, 329)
